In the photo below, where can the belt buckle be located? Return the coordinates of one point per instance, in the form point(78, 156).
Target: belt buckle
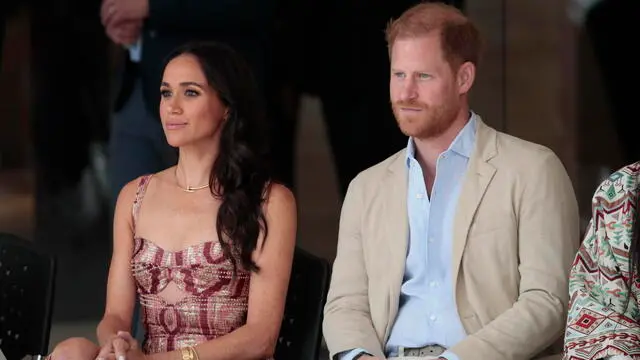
point(430, 350)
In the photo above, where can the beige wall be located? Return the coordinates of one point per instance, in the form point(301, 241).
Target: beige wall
point(488, 95)
point(524, 82)
point(539, 82)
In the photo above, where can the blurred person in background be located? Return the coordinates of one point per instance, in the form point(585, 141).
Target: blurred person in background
point(311, 55)
point(69, 114)
point(150, 29)
point(606, 20)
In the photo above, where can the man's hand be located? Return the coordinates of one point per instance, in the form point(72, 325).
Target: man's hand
point(115, 12)
point(125, 33)
point(368, 357)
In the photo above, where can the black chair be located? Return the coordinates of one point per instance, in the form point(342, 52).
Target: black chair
point(27, 277)
point(301, 331)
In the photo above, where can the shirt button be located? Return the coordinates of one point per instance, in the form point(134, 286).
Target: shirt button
point(433, 284)
point(431, 240)
point(433, 318)
point(419, 196)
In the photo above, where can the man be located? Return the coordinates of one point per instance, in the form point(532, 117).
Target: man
point(151, 29)
point(459, 246)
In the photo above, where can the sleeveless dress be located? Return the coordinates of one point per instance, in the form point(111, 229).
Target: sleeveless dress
point(214, 304)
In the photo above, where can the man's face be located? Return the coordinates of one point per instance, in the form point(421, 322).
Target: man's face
point(423, 87)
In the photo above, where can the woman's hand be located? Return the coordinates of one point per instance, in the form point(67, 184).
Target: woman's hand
point(116, 347)
point(121, 346)
point(134, 352)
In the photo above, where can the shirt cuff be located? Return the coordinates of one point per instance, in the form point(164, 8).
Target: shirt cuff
point(449, 355)
point(349, 355)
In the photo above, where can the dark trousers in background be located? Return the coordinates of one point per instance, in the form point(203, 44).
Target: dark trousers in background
point(345, 63)
point(3, 21)
point(606, 21)
point(138, 145)
point(362, 132)
point(9, 7)
point(69, 111)
point(70, 82)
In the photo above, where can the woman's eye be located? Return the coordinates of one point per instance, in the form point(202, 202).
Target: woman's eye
point(191, 93)
point(165, 93)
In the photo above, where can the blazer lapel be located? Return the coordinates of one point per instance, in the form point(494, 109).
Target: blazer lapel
point(395, 229)
point(479, 175)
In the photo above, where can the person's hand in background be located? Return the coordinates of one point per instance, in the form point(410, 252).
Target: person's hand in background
point(125, 33)
point(115, 12)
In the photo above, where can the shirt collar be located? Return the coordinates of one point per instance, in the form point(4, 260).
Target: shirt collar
point(462, 145)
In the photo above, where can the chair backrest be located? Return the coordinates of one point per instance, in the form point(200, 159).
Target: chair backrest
point(27, 278)
point(301, 331)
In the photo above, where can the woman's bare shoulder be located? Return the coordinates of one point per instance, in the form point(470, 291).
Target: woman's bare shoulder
point(280, 198)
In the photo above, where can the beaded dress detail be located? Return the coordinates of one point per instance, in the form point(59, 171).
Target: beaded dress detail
point(214, 304)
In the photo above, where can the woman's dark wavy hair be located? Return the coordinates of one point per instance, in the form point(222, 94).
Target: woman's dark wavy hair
point(240, 177)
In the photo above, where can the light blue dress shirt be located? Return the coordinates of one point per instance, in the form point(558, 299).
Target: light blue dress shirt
point(135, 50)
point(427, 313)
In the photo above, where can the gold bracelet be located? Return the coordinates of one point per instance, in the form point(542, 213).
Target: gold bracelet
point(189, 353)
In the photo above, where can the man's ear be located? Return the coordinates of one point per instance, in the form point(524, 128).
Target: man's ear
point(465, 77)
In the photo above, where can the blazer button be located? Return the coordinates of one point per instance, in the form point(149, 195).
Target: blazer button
point(152, 34)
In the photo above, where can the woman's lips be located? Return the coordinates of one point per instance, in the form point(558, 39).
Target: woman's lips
point(174, 125)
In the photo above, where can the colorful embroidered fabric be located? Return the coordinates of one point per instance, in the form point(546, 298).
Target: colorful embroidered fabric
point(604, 317)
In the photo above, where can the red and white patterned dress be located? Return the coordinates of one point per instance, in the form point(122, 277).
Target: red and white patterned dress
point(215, 302)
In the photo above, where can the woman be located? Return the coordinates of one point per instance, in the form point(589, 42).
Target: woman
point(604, 316)
point(207, 244)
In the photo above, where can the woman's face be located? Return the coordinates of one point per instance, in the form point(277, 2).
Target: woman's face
point(190, 109)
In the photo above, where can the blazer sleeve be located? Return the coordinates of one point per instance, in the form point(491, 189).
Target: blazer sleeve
point(603, 313)
point(347, 321)
point(225, 15)
point(548, 236)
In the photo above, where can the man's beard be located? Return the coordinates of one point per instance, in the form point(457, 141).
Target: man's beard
point(427, 123)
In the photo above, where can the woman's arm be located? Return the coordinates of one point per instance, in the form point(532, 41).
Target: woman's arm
point(603, 312)
point(121, 290)
point(268, 290)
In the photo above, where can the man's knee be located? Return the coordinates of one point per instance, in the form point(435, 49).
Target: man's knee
point(75, 349)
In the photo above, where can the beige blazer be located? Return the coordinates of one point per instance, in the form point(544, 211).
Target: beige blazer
point(516, 234)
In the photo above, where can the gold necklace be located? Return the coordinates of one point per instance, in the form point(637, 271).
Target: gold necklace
point(189, 189)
